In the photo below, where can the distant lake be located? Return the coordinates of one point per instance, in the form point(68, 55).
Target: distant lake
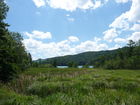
point(80, 66)
point(62, 66)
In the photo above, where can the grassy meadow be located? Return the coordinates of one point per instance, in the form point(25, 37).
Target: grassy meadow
point(72, 86)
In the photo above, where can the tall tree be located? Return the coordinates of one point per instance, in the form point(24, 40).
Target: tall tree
point(13, 56)
point(6, 68)
point(131, 45)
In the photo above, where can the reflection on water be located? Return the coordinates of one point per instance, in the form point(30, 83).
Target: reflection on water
point(80, 66)
point(62, 66)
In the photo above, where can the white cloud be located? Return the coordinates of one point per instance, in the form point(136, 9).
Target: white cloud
point(71, 5)
point(39, 3)
point(120, 40)
point(90, 46)
point(125, 20)
point(39, 34)
point(40, 49)
point(122, 1)
point(73, 39)
point(135, 36)
point(115, 47)
point(136, 27)
point(110, 34)
point(134, 13)
point(97, 4)
point(120, 22)
point(96, 39)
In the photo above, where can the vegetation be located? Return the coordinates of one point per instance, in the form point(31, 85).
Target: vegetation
point(72, 64)
point(125, 58)
point(72, 86)
point(86, 58)
point(13, 56)
point(47, 85)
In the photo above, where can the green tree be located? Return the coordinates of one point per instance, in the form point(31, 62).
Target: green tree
point(21, 57)
point(54, 63)
point(72, 64)
point(13, 56)
point(7, 67)
point(131, 45)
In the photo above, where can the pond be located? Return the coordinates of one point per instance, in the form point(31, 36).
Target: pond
point(80, 66)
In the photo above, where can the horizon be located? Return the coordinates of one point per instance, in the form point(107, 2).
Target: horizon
point(53, 28)
point(76, 54)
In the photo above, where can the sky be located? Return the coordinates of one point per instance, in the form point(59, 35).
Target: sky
point(53, 28)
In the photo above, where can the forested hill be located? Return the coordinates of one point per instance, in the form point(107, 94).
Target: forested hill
point(79, 59)
point(127, 57)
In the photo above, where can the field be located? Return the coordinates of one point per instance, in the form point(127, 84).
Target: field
point(72, 86)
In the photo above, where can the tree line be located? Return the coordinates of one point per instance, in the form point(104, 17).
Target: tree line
point(13, 56)
point(127, 57)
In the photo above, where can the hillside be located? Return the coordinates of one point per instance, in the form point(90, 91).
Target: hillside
point(122, 58)
point(80, 59)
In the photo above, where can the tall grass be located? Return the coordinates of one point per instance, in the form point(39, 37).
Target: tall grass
point(41, 86)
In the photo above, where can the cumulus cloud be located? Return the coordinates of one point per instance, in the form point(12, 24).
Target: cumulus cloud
point(71, 5)
point(39, 3)
point(134, 13)
point(120, 22)
point(73, 39)
point(135, 36)
point(40, 49)
point(39, 34)
point(110, 34)
point(123, 22)
point(136, 27)
point(120, 40)
point(127, 21)
point(90, 46)
point(115, 47)
point(97, 39)
point(122, 1)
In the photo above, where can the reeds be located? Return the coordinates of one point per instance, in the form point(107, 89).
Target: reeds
point(75, 87)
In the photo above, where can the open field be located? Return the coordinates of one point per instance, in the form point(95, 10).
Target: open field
point(72, 86)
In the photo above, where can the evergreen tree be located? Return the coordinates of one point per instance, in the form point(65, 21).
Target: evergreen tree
point(54, 63)
point(6, 60)
point(13, 56)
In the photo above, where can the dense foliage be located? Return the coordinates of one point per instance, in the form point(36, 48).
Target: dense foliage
point(125, 58)
point(86, 58)
point(13, 56)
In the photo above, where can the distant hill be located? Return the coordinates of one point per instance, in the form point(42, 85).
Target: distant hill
point(80, 59)
point(127, 57)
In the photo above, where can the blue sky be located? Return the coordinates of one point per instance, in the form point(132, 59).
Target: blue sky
point(62, 27)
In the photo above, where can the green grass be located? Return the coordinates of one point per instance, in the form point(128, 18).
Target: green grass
point(72, 86)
